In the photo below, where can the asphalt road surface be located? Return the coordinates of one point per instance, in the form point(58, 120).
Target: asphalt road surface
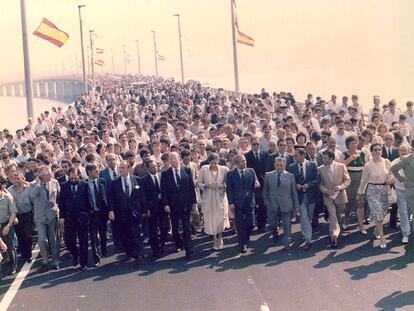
point(357, 276)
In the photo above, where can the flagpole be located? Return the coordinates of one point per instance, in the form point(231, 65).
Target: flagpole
point(112, 56)
point(125, 66)
point(236, 66)
point(92, 60)
point(85, 81)
point(155, 54)
point(27, 75)
point(181, 47)
point(138, 58)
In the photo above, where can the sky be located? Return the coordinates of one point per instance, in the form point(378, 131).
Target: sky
point(322, 47)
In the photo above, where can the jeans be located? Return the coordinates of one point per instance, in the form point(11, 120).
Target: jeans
point(11, 249)
point(403, 209)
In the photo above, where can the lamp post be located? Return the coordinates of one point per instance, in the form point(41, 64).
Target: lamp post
point(85, 81)
point(27, 75)
point(181, 47)
point(155, 53)
point(138, 58)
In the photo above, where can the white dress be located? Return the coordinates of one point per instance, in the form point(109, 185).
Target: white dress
point(214, 204)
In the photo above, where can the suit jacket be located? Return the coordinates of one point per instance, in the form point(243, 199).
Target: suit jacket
point(107, 176)
point(340, 178)
point(62, 179)
point(101, 198)
point(45, 210)
point(152, 194)
point(394, 153)
point(123, 205)
point(76, 205)
point(258, 166)
point(284, 197)
point(241, 193)
point(289, 159)
point(312, 178)
point(181, 198)
point(407, 165)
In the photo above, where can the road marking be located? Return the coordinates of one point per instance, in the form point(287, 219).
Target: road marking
point(264, 307)
point(12, 291)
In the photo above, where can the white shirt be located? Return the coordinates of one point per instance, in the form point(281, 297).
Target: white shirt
point(303, 167)
point(126, 180)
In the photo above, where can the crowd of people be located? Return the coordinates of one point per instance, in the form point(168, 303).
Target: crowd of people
point(150, 158)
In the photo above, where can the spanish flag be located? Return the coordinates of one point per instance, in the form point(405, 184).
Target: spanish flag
point(48, 31)
point(241, 37)
point(99, 51)
point(99, 62)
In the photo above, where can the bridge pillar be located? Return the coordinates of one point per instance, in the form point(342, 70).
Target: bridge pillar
point(35, 86)
point(78, 89)
point(68, 90)
point(1, 90)
point(8, 90)
point(42, 89)
point(51, 90)
point(60, 90)
point(17, 90)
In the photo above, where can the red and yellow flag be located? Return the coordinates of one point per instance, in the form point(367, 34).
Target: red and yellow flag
point(99, 62)
point(241, 37)
point(48, 31)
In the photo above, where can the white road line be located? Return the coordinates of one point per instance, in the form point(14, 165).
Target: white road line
point(12, 291)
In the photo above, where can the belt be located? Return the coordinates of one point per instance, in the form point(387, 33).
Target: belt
point(377, 184)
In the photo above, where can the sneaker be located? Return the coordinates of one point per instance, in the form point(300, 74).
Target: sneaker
point(404, 240)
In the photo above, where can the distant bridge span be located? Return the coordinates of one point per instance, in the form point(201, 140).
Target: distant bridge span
point(60, 88)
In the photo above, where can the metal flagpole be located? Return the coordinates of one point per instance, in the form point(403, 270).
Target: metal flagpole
point(92, 60)
point(155, 54)
point(112, 56)
point(181, 47)
point(27, 75)
point(125, 66)
point(233, 31)
point(85, 81)
point(138, 58)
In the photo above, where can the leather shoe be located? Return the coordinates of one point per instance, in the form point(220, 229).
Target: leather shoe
point(243, 250)
point(275, 236)
point(84, 268)
point(334, 243)
point(55, 267)
point(286, 248)
point(43, 269)
point(29, 260)
point(97, 264)
point(188, 255)
point(75, 262)
point(307, 246)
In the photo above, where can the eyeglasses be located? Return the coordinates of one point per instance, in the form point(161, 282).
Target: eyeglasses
point(255, 144)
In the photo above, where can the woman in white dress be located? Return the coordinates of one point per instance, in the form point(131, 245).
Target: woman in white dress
point(214, 204)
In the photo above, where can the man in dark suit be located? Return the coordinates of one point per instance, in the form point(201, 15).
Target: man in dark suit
point(257, 161)
point(390, 152)
point(65, 165)
point(110, 174)
point(99, 218)
point(127, 208)
point(75, 209)
point(281, 153)
point(241, 184)
point(158, 220)
point(307, 180)
point(178, 196)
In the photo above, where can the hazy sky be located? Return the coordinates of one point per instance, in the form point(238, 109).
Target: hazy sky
point(324, 47)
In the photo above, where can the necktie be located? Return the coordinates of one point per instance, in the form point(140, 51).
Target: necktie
point(177, 177)
point(114, 175)
point(126, 187)
point(95, 189)
point(389, 153)
point(47, 191)
point(278, 179)
point(301, 177)
point(257, 157)
point(73, 189)
point(157, 185)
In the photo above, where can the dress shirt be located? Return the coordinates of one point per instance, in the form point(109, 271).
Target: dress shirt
point(126, 180)
point(92, 183)
point(22, 199)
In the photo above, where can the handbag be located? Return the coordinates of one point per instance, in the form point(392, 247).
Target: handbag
point(392, 195)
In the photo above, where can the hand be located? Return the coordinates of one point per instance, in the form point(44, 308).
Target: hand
point(148, 214)
point(3, 246)
point(167, 209)
point(6, 230)
point(331, 192)
point(358, 197)
point(111, 216)
point(354, 157)
point(61, 221)
point(298, 187)
point(256, 184)
point(207, 186)
point(231, 207)
point(336, 189)
point(305, 186)
point(220, 187)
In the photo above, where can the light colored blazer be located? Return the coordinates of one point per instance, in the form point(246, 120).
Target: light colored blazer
point(407, 165)
point(340, 178)
point(44, 209)
point(284, 197)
